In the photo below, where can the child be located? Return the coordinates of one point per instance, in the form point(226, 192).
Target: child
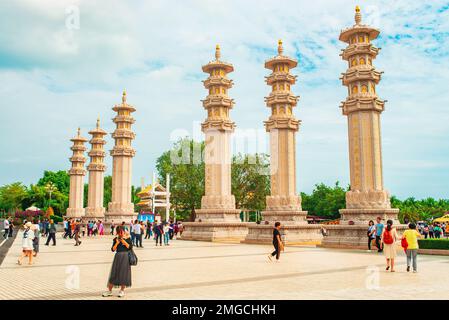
point(412, 235)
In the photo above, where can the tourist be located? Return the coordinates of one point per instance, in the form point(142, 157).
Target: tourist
point(172, 230)
point(27, 244)
point(5, 228)
point(65, 223)
point(437, 231)
point(137, 233)
point(124, 226)
point(51, 231)
point(157, 233)
point(166, 232)
point(277, 242)
point(83, 228)
point(120, 275)
point(426, 231)
point(100, 228)
point(411, 235)
point(389, 238)
point(76, 233)
point(371, 233)
point(36, 230)
point(112, 227)
point(94, 228)
point(175, 230)
point(89, 228)
point(431, 235)
point(131, 230)
point(447, 230)
point(148, 231)
point(11, 227)
point(142, 232)
point(379, 230)
point(181, 228)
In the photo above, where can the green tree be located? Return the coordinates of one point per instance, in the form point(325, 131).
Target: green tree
point(325, 201)
point(12, 195)
point(186, 176)
point(60, 179)
point(107, 191)
point(250, 181)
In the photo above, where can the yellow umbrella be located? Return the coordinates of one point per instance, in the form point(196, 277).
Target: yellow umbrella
point(444, 218)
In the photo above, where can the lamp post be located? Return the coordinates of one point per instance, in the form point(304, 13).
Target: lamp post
point(50, 188)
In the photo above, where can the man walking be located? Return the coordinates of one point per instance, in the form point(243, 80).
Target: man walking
point(379, 230)
point(51, 233)
point(277, 242)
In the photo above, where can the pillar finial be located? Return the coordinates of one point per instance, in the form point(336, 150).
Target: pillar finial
point(358, 15)
point(280, 47)
point(217, 52)
point(124, 97)
point(79, 131)
point(98, 122)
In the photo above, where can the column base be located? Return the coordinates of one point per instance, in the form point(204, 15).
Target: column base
point(350, 236)
point(218, 215)
point(215, 231)
point(363, 216)
point(299, 234)
point(95, 213)
point(290, 217)
point(221, 225)
point(75, 213)
point(119, 212)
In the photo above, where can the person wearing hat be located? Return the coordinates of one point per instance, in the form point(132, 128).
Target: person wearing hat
point(27, 244)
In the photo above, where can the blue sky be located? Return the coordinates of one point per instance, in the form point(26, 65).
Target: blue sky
point(55, 78)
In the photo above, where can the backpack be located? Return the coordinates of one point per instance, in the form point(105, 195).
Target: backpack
point(388, 238)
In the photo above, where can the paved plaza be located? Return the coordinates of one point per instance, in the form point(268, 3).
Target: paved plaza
point(204, 270)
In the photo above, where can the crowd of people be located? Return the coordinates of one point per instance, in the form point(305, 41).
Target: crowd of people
point(434, 230)
point(386, 237)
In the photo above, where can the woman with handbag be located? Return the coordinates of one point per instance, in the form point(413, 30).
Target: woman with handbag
point(120, 275)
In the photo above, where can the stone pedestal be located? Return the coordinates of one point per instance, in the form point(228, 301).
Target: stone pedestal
point(350, 236)
point(218, 219)
point(300, 234)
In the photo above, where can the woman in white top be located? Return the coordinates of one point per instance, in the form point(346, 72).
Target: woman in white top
point(27, 244)
point(389, 238)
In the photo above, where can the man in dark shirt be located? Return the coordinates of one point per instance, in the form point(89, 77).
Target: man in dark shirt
point(277, 242)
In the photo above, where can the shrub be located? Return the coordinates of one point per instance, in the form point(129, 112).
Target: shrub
point(440, 244)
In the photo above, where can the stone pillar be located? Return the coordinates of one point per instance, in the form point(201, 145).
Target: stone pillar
point(77, 173)
point(283, 204)
point(367, 198)
point(121, 206)
point(96, 170)
point(218, 219)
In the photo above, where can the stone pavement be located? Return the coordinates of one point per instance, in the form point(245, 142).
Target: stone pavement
point(204, 270)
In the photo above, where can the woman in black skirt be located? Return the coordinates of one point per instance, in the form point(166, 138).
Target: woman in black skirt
point(120, 275)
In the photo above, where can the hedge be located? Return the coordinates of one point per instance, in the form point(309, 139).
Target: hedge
point(440, 244)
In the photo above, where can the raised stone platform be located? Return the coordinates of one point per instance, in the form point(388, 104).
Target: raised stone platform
point(301, 234)
point(350, 236)
point(215, 231)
